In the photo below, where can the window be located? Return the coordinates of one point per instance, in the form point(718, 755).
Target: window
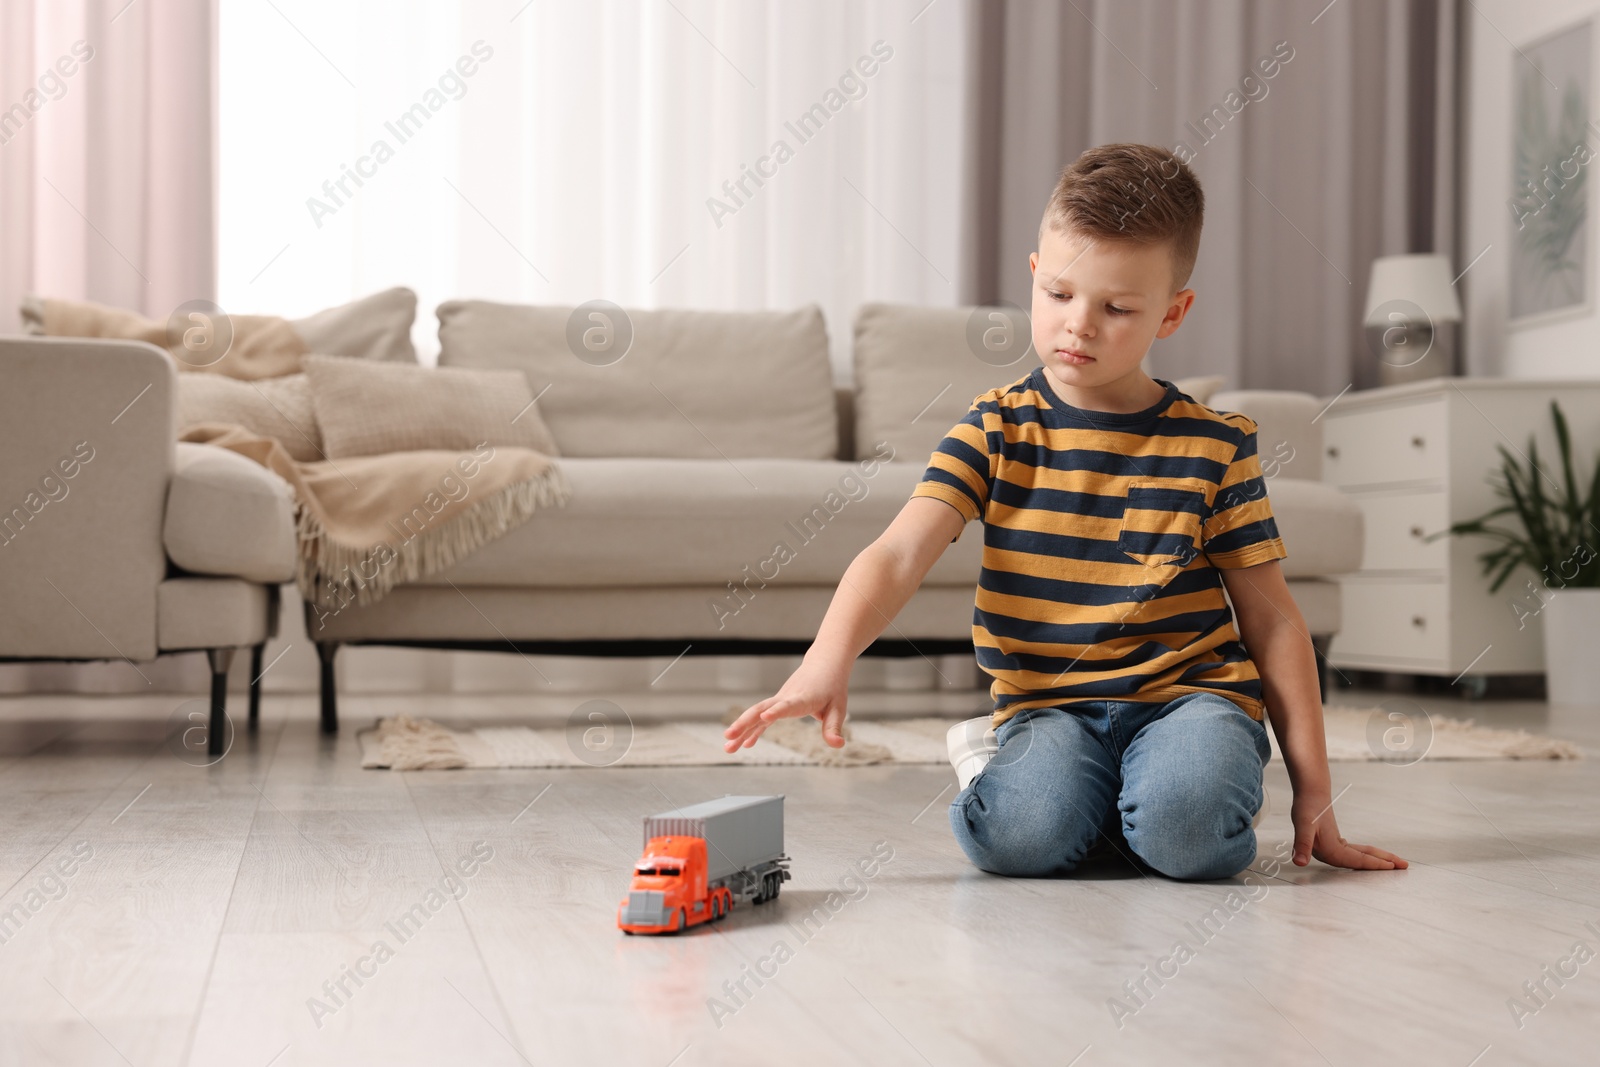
point(607, 150)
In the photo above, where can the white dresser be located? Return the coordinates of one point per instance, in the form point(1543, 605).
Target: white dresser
point(1416, 458)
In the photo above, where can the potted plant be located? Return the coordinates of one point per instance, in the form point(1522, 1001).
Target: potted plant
point(1559, 542)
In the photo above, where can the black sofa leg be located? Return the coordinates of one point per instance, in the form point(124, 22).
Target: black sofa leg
point(1320, 645)
point(216, 732)
point(257, 653)
point(326, 650)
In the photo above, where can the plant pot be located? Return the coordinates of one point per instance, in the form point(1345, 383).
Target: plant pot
point(1571, 660)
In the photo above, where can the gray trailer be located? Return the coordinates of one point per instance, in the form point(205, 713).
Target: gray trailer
point(744, 842)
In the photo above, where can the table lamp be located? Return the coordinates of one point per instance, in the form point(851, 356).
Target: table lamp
point(1408, 298)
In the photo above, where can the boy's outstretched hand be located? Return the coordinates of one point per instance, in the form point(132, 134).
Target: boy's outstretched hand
point(1317, 834)
point(810, 690)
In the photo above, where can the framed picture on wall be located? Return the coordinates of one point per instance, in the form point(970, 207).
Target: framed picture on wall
point(1552, 147)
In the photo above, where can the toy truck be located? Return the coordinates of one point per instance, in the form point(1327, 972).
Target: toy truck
point(700, 859)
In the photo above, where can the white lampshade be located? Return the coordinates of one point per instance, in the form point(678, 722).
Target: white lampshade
point(1422, 279)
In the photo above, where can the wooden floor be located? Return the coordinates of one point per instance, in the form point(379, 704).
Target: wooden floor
point(207, 907)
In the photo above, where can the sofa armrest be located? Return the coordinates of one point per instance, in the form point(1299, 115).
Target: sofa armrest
point(86, 433)
point(1323, 528)
point(1289, 438)
point(229, 516)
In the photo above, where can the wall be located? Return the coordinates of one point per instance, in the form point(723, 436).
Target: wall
point(1557, 349)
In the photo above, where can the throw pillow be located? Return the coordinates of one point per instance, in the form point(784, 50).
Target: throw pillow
point(376, 327)
point(365, 408)
point(279, 408)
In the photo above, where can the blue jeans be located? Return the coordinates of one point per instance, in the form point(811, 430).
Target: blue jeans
point(1178, 784)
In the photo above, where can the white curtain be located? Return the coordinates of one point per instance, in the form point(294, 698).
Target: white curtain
point(106, 138)
point(576, 160)
point(1344, 153)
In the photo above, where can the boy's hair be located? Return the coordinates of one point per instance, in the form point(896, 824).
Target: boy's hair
point(1131, 192)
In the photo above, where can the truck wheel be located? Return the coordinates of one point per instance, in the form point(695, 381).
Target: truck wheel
point(777, 884)
point(678, 922)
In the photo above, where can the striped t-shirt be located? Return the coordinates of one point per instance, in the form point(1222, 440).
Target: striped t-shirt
point(1102, 538)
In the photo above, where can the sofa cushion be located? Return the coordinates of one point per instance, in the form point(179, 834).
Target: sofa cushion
point(227, 515)
point(279, 408)
point(212, 613)
point(376, 327)
point(661, 522)
point(688, 384)
point(1201, 389)
point(918, 369)
point(368, 409)
point(916, 373)
point(656, 522)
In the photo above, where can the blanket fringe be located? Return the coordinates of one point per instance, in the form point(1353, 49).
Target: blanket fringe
point(332, 575)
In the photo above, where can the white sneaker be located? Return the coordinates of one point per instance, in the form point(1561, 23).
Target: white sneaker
point(971, 744)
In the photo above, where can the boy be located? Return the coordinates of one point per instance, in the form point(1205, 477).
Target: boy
point(1116, 511)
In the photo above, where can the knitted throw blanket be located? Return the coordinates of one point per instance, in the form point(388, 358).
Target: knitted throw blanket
point(262, 346)
point(366, 524)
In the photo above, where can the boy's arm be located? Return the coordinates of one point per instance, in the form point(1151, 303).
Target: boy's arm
point(1274, 633)
point(877, 584)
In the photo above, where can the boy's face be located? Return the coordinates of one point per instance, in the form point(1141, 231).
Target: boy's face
point(1097, 307)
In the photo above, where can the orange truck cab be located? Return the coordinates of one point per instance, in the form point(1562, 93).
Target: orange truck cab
point(699, 860)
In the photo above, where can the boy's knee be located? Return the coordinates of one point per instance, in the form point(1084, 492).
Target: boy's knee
point(1195, 859)
point(1017, 857)
point(1021, 840)
point(1192, 834)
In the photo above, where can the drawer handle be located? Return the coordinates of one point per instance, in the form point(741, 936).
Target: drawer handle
point(1333, 451)
point(1417, 532)
point(1417, 442)
point(1419, 622)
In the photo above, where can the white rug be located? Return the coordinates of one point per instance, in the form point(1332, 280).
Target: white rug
point(1370, 735)
point(402, 743)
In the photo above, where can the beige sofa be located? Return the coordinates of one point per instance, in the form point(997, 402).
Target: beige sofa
point(721, 485)
point(115, 543)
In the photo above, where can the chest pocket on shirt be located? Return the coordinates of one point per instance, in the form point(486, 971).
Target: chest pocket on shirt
point(1161, 522)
